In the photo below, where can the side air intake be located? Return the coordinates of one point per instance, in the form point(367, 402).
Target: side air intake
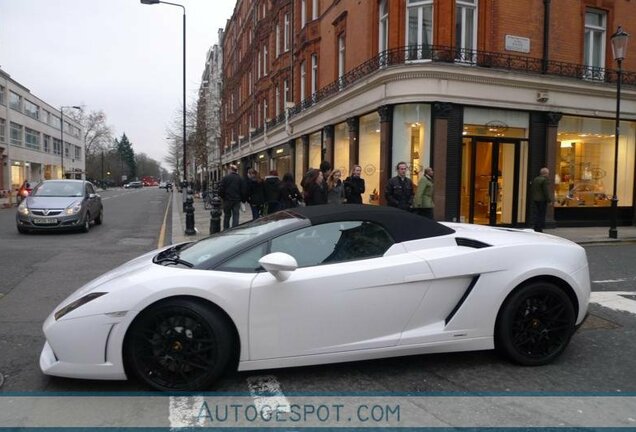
point(475, 244)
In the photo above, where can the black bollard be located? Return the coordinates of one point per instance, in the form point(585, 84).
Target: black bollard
point(215, 213)
point(189, 211)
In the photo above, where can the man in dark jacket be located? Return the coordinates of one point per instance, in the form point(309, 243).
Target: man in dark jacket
point(232, 191)
point(399, 189)
point(354, 186)
point(540, 196)
point(271, 190)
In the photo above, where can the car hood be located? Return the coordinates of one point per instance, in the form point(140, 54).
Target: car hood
point(50, 202)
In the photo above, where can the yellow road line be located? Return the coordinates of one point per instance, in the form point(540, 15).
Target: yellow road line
point(162, 232)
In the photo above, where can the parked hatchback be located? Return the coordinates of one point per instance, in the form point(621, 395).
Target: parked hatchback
point(60, 205)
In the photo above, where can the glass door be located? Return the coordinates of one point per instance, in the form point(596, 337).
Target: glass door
point(490, 178)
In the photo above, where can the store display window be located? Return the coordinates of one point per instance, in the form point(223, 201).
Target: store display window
point(315, 150)
point(369, 150)
point(411, 126)
point(584, 174)
point(341, 149)
point(299, 160)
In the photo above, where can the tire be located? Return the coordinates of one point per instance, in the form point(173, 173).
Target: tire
point(22, 230)
point(535, 324)
point(86, 225)
point(178, 345)
point(100, 217)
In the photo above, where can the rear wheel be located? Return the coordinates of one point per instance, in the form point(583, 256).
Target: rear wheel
point(178, 345)
point(535, 324)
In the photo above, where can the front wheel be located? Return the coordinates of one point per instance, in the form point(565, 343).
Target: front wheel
point(178, 345)
point(535, 324)
point(100, 217)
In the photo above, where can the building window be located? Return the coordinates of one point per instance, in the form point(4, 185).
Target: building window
point(584, 174)
point(3, 129)
point(258, 71)
point(314, 74)
point(419, 29)
point(466, 30)
point(16, 134)
point(369, 157)
point(2, 95)
point(411, 129)
point(277, 100)
point(341, 59)
point(67, 153)
point(277, 40)
point(31, 109)
point(594, 49)
point(265, 60)
point(44, 116)
point(341, 158)
point(286, 34)
point(57, 146)
point(314, 9)
point(78, 153)
point(303, 73)
point(15, 101)
point(286, 93)
point(55, 121)
point(315, 149)
point(265, 116)
point(303, 13)
point(47, 144)
point(249, 83)
point(383, 30)
point(31, 139)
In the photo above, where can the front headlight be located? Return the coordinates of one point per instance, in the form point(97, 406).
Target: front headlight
point(77, 303)
point(73, 208)
point(23, 209)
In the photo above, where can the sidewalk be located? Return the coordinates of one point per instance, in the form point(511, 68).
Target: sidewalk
point(581, 235)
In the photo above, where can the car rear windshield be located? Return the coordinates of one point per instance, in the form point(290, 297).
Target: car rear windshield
point(218, 244)
point(59, 189)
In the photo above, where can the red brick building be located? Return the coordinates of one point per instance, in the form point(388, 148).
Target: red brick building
point(485, 91)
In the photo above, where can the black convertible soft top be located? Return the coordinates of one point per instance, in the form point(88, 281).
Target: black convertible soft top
point(401, 225)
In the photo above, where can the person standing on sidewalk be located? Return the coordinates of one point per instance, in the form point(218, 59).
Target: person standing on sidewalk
point(399, 189)
point(540, 196)
point(232, 191)
point(423, 201)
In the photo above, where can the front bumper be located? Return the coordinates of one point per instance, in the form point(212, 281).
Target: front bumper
point(87, 347)
point(50, 223)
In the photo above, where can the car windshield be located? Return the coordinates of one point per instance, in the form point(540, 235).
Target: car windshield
point(208, 248)
point(59, 189)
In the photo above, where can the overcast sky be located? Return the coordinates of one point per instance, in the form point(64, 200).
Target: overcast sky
point(119, 56)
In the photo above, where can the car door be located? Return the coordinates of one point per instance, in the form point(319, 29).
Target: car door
point(91, 200)
point(346, 294)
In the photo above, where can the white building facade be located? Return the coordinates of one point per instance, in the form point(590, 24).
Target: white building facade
point(31, 139)
point(211, 88)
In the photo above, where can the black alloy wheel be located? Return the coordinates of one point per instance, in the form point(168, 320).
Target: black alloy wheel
point(535, 324)
point(86, 224)
point(178, 345)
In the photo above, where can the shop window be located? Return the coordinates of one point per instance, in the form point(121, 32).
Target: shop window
point(369, 149)
point(341, 159)
point(411, 124)
point(584, 174)
point(315, 150)
point(300, 160)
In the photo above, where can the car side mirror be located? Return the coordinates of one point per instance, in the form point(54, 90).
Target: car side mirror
point(91, 196)
point(279, 264)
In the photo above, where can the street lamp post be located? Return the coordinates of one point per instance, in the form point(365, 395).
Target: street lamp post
point(619, 49)
point(188, 201)
point(151, 2)
point(62, 133)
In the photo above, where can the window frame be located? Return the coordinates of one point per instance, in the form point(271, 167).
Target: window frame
point(594, 71)
point(423, 52)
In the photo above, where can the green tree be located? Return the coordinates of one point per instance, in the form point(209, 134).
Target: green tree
point(127, 155)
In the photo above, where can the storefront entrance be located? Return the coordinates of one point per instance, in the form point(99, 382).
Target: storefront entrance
point(492, 193)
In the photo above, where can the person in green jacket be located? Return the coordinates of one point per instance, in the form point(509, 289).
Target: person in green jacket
point(423, 200)
point(540, 196)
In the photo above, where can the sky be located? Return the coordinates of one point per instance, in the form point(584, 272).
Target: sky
point(119, 56)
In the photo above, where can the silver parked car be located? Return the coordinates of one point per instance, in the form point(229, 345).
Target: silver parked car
point(60, 205)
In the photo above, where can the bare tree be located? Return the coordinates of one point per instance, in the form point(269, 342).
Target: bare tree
point(97, 134)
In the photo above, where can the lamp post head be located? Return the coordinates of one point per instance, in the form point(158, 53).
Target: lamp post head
point(149, 2)
point(619, 44)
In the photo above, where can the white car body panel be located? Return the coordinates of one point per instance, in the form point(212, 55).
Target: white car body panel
point(414, 299)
